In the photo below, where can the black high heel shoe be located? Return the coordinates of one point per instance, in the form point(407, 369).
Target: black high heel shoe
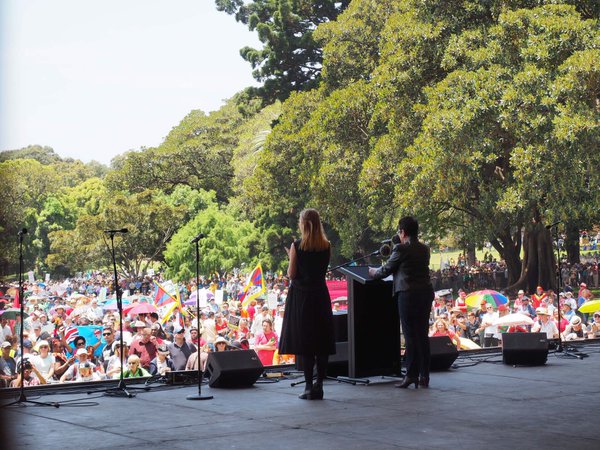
point(316, 393)
point(407, 381)
point(306, 395)
point(424, 382)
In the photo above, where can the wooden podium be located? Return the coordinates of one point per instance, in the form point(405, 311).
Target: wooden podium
point(373, 325)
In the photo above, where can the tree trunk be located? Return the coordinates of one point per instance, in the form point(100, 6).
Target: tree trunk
point(470, 254)
point(538, 267)
point(572, 243)
point(509, 248)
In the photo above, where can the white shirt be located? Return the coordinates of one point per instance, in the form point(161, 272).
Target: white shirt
point(549, 328)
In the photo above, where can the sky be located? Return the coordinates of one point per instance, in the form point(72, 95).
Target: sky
point(95, 79)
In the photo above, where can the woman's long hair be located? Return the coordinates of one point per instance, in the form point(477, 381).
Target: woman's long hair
point(313, 235)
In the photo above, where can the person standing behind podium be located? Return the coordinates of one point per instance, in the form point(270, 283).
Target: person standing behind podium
point(307, 328)
point(409, 264)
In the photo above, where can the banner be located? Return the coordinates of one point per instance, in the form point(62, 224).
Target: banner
point(255, 286)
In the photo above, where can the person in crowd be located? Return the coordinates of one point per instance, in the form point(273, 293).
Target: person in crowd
point(117, 360)
point(519, 300)
point(441, 307)
point(81, 369)
point(221, 344)
point(138, 327)
point(221, 325)
point(192, 362)
point(77, 343)
point(8, 365)
point(594, 326)
point(44, 361)
point(108, 335)
point(265, 343)
point(162, 363)
point(491, 334)
point(209, 328)
point(576, 330)
point(145, 347)
point(307, 328)
point(258, 320)
point(31, 376)
point(473, 322)
point(538, 297)
point(409, 264)
point(563, 321)
point(134, 368)
point(243, 331)
point(585, 295)
point(179, 349)
point(526, 308)
point(544, 324)
point(440, 328)
point(61, 360)
point(567, 310)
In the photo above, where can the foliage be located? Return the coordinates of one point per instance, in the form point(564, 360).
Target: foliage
point(290, 59)
point(229, 243)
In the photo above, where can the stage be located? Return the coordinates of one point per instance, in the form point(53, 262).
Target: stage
point(479, 404)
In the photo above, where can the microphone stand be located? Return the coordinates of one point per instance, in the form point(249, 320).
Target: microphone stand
point(22, 400)
point(352, 261)
point(559, 347)
point(121, 389)
point(198, 396)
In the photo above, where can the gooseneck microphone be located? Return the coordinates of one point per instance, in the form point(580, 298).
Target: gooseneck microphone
point(386, 248)
point(122, 230)
point(552, 225)
point(197, 238)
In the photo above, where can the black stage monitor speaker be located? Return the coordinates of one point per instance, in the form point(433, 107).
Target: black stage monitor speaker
point(443, 352)
point(524, 349)
point(236, 368)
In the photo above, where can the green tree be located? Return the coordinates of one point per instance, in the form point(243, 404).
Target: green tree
point(229, 242)
point(197, 153)
point(290, 59)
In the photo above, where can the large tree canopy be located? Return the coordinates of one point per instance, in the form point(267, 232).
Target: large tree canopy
point(480, 118)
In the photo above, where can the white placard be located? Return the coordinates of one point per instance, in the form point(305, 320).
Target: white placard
point(31, 277)
point(219, 296)
point(272, 300)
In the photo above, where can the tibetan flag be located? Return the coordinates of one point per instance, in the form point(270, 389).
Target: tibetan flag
point(254, 286)
point(161, 296)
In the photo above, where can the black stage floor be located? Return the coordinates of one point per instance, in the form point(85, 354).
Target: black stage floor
point(479, 404)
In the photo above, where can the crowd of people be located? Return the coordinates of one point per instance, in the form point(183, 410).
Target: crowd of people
point(54, 352)
point(483, 326)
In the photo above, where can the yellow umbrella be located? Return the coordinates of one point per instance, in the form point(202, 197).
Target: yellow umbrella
point(590, 306)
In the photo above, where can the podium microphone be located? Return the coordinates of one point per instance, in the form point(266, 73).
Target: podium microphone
point(197, 238)
point(122, 230)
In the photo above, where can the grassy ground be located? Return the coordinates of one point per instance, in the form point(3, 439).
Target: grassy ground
point(446, 256)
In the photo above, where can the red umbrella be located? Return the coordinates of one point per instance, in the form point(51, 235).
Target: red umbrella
point(142, 308)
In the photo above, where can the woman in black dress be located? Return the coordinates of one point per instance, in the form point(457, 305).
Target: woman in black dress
point(308, 320)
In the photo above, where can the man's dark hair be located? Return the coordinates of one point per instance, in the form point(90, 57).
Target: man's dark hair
point(154, 315)
point(409, 225)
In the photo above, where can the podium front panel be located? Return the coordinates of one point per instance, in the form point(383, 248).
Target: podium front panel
point(373, 327)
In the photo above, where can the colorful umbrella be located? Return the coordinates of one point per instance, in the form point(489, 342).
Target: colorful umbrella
point(590, 306)
point(142, 308)
point(11, 313)
point(494, 298)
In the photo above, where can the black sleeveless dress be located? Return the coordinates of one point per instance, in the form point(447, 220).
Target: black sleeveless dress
point(308, 319)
